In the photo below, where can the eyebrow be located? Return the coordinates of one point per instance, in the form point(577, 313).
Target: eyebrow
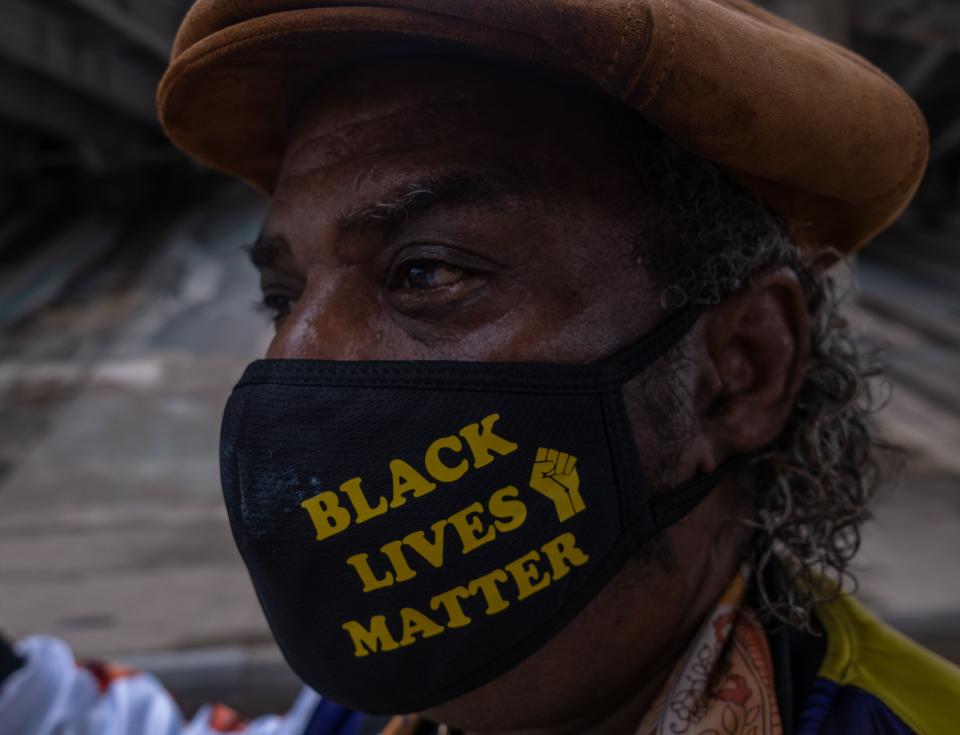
point(401, 204)
point(459, 188)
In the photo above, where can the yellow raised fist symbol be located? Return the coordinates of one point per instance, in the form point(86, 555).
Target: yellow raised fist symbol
point(555, 475)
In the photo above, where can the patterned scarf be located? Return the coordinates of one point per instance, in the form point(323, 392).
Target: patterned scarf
point(722, 685)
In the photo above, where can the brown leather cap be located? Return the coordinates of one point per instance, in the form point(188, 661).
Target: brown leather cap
point(827, 141)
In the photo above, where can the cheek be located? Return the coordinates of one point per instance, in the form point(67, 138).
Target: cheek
point(557, 320)
point(334, 319)
point(662, 415)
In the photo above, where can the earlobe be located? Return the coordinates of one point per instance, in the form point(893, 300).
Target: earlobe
point(758, 341)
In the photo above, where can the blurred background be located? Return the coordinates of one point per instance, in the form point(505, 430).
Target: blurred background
point(126, 314)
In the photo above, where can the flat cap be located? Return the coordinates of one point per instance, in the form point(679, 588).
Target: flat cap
point(827, 141)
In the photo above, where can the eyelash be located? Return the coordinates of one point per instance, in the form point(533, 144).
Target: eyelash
point(272, 311)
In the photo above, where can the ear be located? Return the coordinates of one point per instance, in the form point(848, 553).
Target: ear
point(758, 343)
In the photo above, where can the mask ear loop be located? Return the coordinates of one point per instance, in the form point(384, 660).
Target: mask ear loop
point(675, 503)
point(650, 347)
point(672, 505)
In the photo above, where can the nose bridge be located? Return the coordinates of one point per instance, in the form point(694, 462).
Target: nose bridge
point(334, 319)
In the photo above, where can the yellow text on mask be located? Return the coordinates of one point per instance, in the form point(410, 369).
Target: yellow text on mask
point(441, 461)
point(471, 526)
point(521, 578)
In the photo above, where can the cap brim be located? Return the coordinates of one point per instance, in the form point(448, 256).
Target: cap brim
point(826, 140)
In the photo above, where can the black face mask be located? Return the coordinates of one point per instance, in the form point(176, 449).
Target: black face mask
point(415, 529)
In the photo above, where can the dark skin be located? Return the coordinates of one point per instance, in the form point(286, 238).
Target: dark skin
point(524, 249)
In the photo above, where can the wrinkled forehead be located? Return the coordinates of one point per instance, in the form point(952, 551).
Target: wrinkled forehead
point(406, 104)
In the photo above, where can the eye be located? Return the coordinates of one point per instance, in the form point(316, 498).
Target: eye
point(276, 305)
point(423, 275)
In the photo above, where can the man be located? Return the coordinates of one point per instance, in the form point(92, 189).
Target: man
point(560, 430)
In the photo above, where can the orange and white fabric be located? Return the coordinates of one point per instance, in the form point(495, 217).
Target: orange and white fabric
point(54, 695)
point(723, 685)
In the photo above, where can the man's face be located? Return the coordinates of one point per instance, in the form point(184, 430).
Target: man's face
point(430, 210)
point(451, 215)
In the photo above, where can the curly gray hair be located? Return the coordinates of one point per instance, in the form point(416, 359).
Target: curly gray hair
point(811, 488)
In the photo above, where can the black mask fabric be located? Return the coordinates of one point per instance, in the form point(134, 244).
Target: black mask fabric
point(415, 529)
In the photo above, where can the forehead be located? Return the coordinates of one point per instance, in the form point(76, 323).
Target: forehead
point(425, 112)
